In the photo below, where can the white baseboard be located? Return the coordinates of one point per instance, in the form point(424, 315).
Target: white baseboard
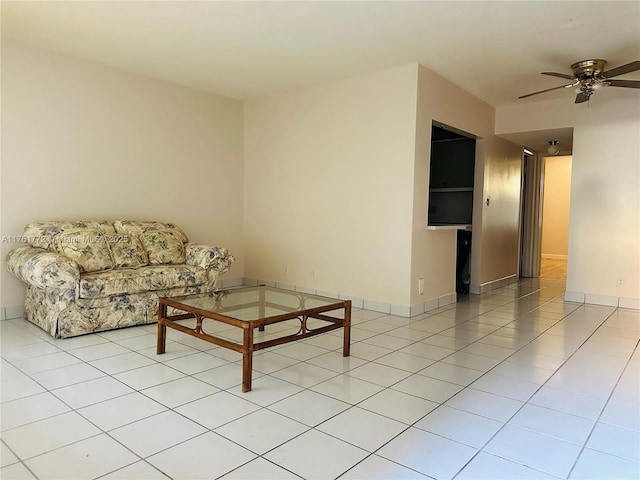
point(606, 300)
point(357, 302)
point(493, 284)
point(11, 312)
point(553, 256)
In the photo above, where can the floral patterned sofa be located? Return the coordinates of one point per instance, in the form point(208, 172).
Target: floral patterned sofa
point(90, 276)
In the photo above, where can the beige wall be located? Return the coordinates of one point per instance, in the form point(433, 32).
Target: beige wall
point(555, 206)
point(434, 252)
point(85, 141)
point(604, 223)
point(328, 200)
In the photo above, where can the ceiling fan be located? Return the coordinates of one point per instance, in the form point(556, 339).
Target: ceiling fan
point(589, 76)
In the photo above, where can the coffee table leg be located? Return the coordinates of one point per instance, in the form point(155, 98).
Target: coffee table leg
point(162, 329)
point(347, 329)
point(247, 359)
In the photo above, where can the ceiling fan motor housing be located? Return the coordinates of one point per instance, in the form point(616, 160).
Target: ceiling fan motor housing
point(587, 69)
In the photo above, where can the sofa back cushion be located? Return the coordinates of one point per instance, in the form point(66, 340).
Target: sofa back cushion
point(163, 247)
point(163, 242)
point(89, 248)
point(43, 234)
point(127, 251)
point(130, 227)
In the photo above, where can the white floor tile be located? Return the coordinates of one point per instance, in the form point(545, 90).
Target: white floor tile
point(405, 361)
point(316, 455)
point(68, 375)
point(90, 458)
point(262, 430)
point(173, 350)
point(204, 457)
point(436, 456)
point(90, 392)
point(96, 352)
point(337, 363)
point(505, 387)
point(48, 434)
point(266, 390)
point(23, 352)
point(362, 428)
point(225, 376)
point(300, 351)
point(554, 423)
point(196, 363)
point(217, 409)
point(614, 440)
point(149, 376)
point(347, 389)
point(158, 432)
point(534, 450)
point(485, 404)
point(622, 415)
point(16, 471)
point(367, 351)
point(526, 373)
point(594, 465)
point(451, 373)
point(568, 402)
point(30, 409)
point(399, 406)
point(378, 468)
point(378, 374)
point(179, 392)
point(6, 456)
point(262, 469)
point(461, 426)
point(563, 349)
point(136, 471)
point(428, 388)
point(309, 408)
point(489, 467)
point(18, 387)
point(304, 374)
point(122, 363)
point(46, 362)
point(120, 411)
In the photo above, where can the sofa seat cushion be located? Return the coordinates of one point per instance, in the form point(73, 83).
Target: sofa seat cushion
point(136, 280)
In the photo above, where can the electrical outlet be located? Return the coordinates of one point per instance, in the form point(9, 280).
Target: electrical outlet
point(313, 273)
point(620, 282)
point(421, 286)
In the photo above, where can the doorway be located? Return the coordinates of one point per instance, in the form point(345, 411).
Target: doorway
point(546, 186)
point(555, 216)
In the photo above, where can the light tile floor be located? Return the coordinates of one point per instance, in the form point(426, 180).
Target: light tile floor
point(513, 384)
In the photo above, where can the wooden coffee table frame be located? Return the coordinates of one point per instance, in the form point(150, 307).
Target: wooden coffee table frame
point(248, 346)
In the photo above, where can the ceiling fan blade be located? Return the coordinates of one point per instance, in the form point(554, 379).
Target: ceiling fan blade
point(621, 70)
point(581, 98)
point(548, 90)
point(560, 75)
point(624, 83)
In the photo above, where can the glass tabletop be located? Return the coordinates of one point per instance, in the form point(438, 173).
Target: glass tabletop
point(256, 303)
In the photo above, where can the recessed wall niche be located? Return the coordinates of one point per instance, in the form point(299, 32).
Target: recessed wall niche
point(451, 177)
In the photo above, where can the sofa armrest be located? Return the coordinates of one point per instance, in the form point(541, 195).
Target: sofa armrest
point(44, 269)
point(210, 258)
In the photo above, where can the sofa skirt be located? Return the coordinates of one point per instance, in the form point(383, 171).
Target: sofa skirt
point(63, 318)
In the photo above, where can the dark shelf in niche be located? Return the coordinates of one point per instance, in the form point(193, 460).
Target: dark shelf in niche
point(451, 178)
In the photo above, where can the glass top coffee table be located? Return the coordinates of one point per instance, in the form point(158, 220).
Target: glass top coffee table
point(249, 308)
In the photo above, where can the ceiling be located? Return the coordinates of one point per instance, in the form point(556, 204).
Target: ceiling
point(241, 49)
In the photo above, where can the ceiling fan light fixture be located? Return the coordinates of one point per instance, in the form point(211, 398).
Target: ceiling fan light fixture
point(554, 147)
